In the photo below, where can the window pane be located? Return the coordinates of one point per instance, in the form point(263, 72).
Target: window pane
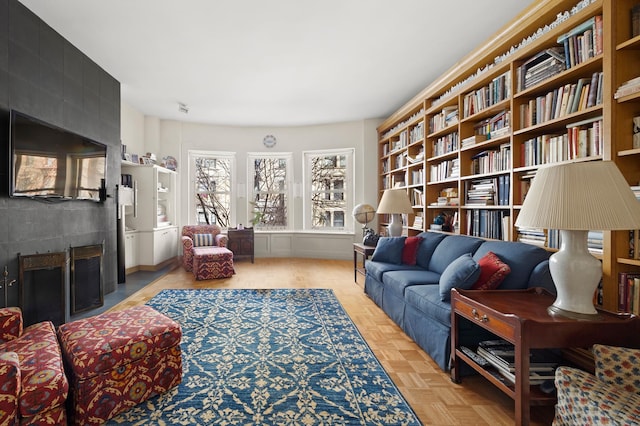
point(212, 190)
point(328, 189)
point(270, 192)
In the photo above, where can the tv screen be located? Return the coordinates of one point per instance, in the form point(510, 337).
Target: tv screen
point(50, 162)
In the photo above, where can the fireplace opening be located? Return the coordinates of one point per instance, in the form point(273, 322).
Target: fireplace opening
point(86, 278)
point(42, 287)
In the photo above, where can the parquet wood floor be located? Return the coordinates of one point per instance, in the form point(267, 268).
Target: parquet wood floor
point(430, 392)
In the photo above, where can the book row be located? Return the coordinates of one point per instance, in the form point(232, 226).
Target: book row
point(485, 223)
point(492, 161)
point(445, 144)
point(581, 140)
point(496, 91)
point(488, 192)
point(563, 101)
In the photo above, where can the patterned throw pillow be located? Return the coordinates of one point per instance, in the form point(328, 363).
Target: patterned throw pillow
point(410, 250)
point(492, 272)
point(200, 240)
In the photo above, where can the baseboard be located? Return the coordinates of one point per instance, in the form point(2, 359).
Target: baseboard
point(173, 260)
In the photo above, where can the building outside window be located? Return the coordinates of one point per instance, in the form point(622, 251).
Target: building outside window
point(328, 198)
point(270, 198)
point(212, 177)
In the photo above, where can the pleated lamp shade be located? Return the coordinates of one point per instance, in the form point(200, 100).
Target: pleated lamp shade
point(580, 196)
point(395, 201)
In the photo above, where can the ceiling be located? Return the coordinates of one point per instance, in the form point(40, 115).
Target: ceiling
point(274, 62)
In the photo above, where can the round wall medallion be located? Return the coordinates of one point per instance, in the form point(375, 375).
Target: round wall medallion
point(269, 141)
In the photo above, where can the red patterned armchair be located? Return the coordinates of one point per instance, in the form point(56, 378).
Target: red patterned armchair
point(610, 397)
point(197, 235)
point(33, 386)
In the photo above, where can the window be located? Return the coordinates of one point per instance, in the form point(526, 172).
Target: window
point(212, 177)
point(329, 194)
point(270, 175)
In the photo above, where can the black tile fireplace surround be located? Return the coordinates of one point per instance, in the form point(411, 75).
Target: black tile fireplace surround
point(45, 76)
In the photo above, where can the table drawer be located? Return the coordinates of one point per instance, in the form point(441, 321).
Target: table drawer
point(486, 319)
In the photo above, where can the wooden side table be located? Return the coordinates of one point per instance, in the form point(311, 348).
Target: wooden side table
point(520, 317)
point(365, 252)
point(241, 243)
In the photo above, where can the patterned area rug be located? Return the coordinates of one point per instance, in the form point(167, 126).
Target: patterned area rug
point(267, 357)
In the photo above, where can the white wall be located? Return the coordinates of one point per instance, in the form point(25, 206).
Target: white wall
point(176, 138)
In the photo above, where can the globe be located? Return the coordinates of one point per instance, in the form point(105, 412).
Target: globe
point(363, 213)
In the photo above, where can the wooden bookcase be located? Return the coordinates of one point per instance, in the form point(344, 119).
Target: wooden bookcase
point(426, 137)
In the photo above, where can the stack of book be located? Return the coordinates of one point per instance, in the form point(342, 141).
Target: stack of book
point(540, 67)
point(628, 88)
point(501, 355)
point(482, 192)
point(534, 236)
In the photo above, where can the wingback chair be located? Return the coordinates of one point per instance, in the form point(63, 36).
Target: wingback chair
point(189, 241)
point(611, 397)
point(33, 385)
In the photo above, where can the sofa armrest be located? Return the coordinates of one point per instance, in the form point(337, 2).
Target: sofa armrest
point(11, 324)
point(221, 240)
point(618, 366)
point(584, 399)
point(10, 387)
point(187, 243)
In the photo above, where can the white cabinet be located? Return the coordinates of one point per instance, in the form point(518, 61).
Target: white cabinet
point(131, 250)
point(153, 213)
point(157, 246)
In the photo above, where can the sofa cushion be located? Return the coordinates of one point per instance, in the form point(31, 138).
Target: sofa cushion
point(541, 277)
point(430, 241)
point(522, 258)
point(389, 250)
point(377, 269)
point(461, 273)
point(492, 272)
point(426, 298)
point(410, 250)
point(395, 282)
point(451, 248)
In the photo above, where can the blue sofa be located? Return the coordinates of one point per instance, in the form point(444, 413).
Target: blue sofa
point(413, 296)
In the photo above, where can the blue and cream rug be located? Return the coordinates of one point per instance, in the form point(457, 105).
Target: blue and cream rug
point(271, 357)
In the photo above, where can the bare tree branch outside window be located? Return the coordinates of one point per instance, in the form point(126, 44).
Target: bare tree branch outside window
point(270, 192)
point(328, 189)
point(213, 190)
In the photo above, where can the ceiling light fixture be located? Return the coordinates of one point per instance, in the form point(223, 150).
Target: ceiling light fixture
point(183, 108)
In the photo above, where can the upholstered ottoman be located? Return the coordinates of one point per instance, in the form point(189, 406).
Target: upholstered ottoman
point(211, 262)
point(117, 360)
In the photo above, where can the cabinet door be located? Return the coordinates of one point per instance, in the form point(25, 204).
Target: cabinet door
point(131, 250)
point(165, 244)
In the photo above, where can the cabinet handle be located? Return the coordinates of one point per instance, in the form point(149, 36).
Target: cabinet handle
point(483, 318)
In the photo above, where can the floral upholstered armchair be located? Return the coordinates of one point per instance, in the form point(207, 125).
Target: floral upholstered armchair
point(611, 397)
point(33, 386)
point(199, 235)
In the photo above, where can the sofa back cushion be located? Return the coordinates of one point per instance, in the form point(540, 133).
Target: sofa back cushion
point(430, 241)
point(389, 250)
point(522, 258)
point(451, 248)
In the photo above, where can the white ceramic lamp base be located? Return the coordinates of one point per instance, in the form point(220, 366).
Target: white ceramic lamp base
point(395, 227)
point(576, 274)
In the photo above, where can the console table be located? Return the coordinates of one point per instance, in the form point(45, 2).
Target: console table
point(520, 317)
point(360, 249)
point(241, 243)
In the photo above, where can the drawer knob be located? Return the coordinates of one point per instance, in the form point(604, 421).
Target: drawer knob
point(475, 314)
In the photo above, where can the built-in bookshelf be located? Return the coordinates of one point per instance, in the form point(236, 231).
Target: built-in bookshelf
point(561, 83)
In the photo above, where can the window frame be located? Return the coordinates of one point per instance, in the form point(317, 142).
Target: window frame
point(289, 183)
point(349, 192)
point(191, 169)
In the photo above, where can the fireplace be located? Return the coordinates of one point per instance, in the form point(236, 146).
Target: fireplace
point(86, 278)
point(42, 287)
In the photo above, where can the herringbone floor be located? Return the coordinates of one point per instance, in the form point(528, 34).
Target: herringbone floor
point(430, 392)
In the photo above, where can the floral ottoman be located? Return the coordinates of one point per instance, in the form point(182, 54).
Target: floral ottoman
point(117, 360)
point(211, 262)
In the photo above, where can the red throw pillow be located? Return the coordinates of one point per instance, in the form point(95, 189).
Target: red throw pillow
point(410, 250)
point(492, 272)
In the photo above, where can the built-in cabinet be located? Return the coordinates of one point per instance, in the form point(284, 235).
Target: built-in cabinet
point(151, 232)
point(487, 124)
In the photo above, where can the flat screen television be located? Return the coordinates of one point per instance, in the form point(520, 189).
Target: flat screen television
point(53, 163)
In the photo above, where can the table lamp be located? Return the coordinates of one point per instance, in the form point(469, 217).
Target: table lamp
point(575, 198)
point(395, 202)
